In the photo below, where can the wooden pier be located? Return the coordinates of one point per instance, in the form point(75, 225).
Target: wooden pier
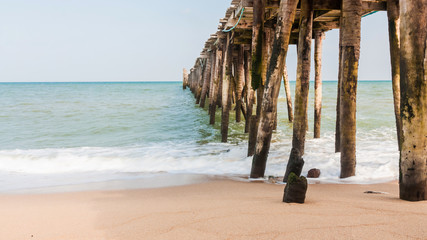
point(243, 64)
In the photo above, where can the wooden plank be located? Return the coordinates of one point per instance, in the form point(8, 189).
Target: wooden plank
point(374, 6)
point(336, 5)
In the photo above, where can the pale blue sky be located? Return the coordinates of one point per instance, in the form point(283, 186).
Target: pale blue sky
point(138, 40)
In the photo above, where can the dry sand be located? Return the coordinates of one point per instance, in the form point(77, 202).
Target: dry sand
point(219, 209)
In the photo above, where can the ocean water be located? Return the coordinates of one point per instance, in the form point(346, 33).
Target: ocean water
point(56, 134)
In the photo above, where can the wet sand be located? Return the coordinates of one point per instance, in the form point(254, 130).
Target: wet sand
point(217, 209)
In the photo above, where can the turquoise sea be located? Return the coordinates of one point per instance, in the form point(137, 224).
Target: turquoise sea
point(69, 133)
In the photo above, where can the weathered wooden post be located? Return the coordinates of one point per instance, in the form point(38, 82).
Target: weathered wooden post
point(212, 79)
point(318, 37)
point(206, 80)
point(393, 34)
point(266, 54)
point(194, 79)
point(257, 40)
point(288, 94)
point(226, 90)
point(219, 98)
point(285, 19)
point(184, 79)
point(269, 41)
point(215, 87)
point(200, 74)
point(190, 80)
point(413, 84)
point(337, 123)
point(240, 81)
point(350, 26)
point(250, 93)
point(257, 64)
point(303, 76)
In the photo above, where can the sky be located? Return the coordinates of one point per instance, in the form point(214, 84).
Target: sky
point(139, 40)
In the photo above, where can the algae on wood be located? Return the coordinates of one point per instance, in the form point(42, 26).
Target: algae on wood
point(285, 19)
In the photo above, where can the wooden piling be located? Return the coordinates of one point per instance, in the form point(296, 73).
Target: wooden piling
point(266, 53)
point(269, 38)
point(190, 80)
point(215, 87)
point(257, 59)
point(193, 81)
point(288, 94)
point(286, 16)
point(252, 135)
point(206, 81)
point(393, 34)
point(219, 97)
point(413, 84)
point(337, 122)
point(199, 81)
point(226, 89)
point(257, 42)
point(303, 76)
point(240, 81)
point(212, 79)
point(318, 37)
point(350, 27)
point(184, 79)
point(250, 93)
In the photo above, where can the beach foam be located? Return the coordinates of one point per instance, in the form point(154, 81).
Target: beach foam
point(73, 133)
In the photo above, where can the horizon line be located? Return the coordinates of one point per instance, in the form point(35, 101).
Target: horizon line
point(164, 81)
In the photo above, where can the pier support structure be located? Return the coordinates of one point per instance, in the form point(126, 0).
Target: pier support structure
point(184, 79)
point(393, 33)
point(206, 80)
point(288, 94)
point(256, 66)
point(318, 37)
point(226, 89)
point(337, 122)
point(413, 84)
point(259, 32)
point(351, 13)
point(240, 82)
point(250, 93)
point(216, 84)
point(303, 76)
point(285, 18)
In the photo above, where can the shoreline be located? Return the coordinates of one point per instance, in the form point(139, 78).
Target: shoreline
point(215, 209)
point(164, 180)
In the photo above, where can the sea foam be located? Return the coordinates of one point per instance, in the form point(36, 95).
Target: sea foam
point(71, 133)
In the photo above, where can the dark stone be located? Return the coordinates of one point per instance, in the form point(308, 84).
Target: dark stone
point(313, 173)
point(295, 164)
point(295, 189)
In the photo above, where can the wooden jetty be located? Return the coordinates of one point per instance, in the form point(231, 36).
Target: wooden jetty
point(243, 64)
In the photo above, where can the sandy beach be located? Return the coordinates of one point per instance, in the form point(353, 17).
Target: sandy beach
point(218, 209)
